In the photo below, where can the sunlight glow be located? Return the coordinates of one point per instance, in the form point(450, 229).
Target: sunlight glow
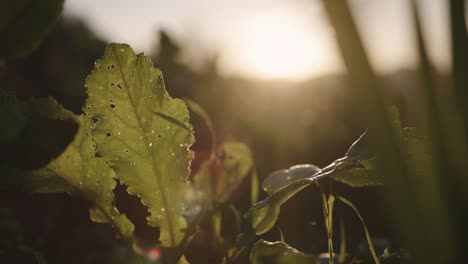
point(279, 49)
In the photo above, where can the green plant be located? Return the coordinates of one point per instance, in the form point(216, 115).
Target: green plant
point(133, 133)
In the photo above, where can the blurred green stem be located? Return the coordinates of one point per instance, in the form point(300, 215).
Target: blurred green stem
point(342, 256)
point(197, 109)
point(328, 218)
point(415, 201)
point(216, 225)
point(254, 186)
point(460, 56)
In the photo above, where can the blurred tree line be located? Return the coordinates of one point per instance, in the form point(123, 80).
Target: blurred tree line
point(284, 123)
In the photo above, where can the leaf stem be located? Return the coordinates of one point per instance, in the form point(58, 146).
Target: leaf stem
point(328, 218)
point(368, 237)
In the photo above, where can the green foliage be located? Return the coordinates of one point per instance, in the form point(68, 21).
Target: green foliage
point(263, 215)
point(357, 168)
point(328, 204)
point(33, 131)
point(79, 173)
point(220, 176)
point(133, 131)
point(368, 237)
point(23, 24)
point(282, 178)
point(277, 252)
point(143, 134)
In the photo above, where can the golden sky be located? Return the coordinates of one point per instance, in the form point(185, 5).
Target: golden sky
point(268, 39)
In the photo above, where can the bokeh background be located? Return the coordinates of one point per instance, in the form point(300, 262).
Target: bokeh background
point(268, 73)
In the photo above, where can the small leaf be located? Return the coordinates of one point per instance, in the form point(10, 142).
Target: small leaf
point(278, 252)
point(282, 185)
point(263, 215)
point(357, 168)
point(79, 173)
point(282, 178)
point(220, 176)
point(143, 134)
point(23, 24)
point(183, 260)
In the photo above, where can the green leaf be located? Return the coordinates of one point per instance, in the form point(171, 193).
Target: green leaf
point(33, 131)
point(79, 173)
point(278, 252)
point(263, 215)
point(143, 134)
point(282, 185)
point(220, 176)
point(183, 260)
point(24, 23)
point(357, 168)
point(282, 178)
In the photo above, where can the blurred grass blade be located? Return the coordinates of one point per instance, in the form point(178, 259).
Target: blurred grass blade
point(368, 237)
point(428, 108)
point(369, 100)
point(402, 179)
point(441, 157)
point(460, 55)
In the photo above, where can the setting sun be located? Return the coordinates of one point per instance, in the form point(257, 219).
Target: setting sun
point(279, 48)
